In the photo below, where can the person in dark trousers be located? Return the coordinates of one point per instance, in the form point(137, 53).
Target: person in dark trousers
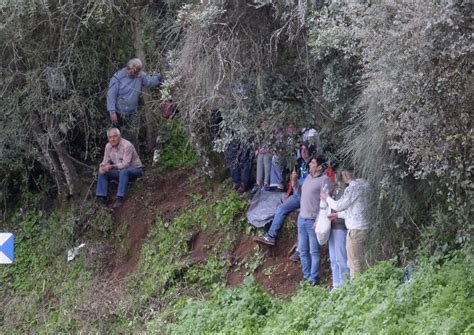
point(240, 162)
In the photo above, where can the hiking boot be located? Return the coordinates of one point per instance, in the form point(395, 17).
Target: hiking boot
point(102, 200)
point(117, 203)
point(241, 189)
point(276, 189)
point(265, 239)
point(307, 282)
point(313, 283)
point(295, 257)
point(266, 188)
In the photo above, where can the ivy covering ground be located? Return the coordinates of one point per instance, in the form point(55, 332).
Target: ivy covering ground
point(437, 300)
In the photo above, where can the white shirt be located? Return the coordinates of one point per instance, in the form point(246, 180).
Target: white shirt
point(352, 205)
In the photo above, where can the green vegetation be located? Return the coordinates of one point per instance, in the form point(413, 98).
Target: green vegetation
point(388, 85)
point(40, 290)
point(437, 299)
point(44, 293)
point(172, 292)
point(177, 152)
point(163, 261)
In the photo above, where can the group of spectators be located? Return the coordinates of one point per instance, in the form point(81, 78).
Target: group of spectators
point(271, 161)
point(121, 161)
point(312, 184)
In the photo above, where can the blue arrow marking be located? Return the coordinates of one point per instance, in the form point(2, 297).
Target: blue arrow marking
point(6, 248)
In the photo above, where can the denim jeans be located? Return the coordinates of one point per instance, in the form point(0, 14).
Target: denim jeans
point(338, 256)
point(291, 204)
point(123, 176)
point(240, 164)
point(276, 175)
point(309, 250)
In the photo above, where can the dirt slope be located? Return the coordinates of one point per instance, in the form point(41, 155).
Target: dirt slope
point(167, 194)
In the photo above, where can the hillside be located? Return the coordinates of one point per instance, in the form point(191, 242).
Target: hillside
point(178, 237)
point(379, 91)
point(214, 247)
point(155, 196)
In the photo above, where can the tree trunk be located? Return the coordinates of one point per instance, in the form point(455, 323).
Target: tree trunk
point(51, 164)
point(140, 53)
point(55, 159)
point(68, 169)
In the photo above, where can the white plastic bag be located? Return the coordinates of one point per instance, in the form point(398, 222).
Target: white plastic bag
point(323, 225)
point(72, 253)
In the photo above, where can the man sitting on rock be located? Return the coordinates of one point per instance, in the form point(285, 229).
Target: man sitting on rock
point(121, 163)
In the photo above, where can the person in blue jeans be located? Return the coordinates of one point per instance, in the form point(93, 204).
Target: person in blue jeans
point(338, 254)
point(240, 162)
point(337, 246)
point(292, 203)
point(121, 163)
point(309, 192)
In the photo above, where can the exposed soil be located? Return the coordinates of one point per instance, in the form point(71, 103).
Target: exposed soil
point(277, 274)
point(167, 195)
point(151, 195)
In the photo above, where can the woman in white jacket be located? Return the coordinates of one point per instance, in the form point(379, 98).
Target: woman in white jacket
point(352, 208)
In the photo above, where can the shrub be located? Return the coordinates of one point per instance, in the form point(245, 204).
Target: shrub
point(438, 298)
point(177, 151)
point(407, 131)
point(240, 310)
point(41, 289)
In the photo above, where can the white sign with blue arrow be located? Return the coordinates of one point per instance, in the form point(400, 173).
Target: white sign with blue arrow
point(6, 248)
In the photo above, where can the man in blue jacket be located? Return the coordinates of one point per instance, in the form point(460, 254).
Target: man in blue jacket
point(123, 94)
